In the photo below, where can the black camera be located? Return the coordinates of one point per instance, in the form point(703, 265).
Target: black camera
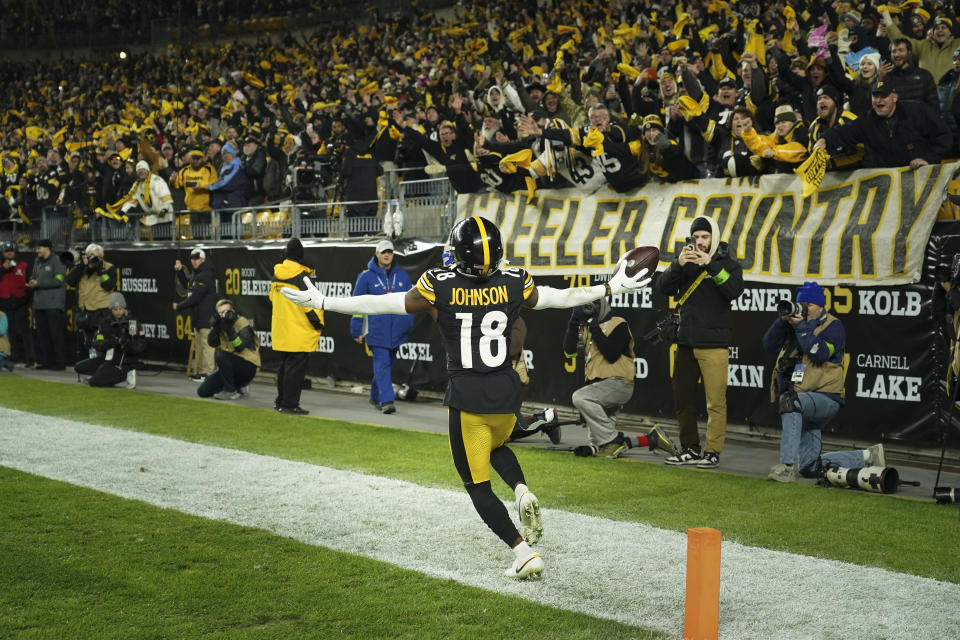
point(791, 308)
point(786, 364)
point(665, 331)
point(942, 273)
point(229, 316)
point(93, 262)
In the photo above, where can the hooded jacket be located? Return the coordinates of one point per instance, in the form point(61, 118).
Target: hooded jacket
point(230, 188)
point(382, 330)
point(202, 296)
point(705, 318)
point(293, 328)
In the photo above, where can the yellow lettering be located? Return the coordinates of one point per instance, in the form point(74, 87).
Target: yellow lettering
point(478, 297)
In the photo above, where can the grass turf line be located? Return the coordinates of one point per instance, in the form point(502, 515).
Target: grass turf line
point(80, 563)
point(851, 526)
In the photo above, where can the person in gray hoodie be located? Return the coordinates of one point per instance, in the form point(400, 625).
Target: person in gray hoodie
point(49, 306)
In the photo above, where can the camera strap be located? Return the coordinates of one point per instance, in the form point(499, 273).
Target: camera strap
point(693, 285)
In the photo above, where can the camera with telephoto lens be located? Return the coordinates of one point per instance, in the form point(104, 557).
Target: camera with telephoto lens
point(121, 329)
point(946, 495)
point(93, 262)
point(790, 308)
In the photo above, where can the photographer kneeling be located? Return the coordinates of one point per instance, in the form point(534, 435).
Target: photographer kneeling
point(807, 386)
point(237, 355)
point(609, 372)
point(117, 340)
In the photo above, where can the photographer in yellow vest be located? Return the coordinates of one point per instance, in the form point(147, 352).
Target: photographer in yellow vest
point(237, 354)
point(807, 386)
point(95, 279)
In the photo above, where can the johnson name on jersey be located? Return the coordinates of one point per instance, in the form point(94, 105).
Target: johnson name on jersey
point(475, 319)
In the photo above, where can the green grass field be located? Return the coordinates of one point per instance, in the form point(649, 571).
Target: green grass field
point(80, 563)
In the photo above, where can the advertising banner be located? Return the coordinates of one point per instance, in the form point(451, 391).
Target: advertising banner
point(868, 227)
point(894, 369)
point(865, 236)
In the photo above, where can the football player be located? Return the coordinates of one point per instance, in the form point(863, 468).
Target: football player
point(475, 302)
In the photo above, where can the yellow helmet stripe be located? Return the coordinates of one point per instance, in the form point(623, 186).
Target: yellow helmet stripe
point(486, 244)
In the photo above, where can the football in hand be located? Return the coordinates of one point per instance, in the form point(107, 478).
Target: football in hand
point(641, 258)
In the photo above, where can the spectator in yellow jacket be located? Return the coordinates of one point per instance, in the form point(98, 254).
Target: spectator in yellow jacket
point(194, 178)
point(295, 330)
point(786, 146)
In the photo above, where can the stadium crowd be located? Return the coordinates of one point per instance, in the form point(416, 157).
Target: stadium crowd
point(506, 95)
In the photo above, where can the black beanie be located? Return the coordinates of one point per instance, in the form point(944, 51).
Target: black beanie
point(294, 250)
point(701, 224)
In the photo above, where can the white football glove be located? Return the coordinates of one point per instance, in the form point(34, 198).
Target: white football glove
point(620, 282)
point(311, 298)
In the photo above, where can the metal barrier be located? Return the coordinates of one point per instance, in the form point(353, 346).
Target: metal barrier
point(427, 209)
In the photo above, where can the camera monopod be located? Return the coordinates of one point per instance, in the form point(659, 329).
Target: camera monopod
point(405, 390)
point(946, 495)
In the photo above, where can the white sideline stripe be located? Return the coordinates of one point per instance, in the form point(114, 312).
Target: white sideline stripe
point(622, 571)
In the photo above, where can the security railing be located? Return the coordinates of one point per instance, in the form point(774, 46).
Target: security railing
point(423, 209)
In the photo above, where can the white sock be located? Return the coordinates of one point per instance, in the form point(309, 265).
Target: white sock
point(519, 490)
point(522, 551)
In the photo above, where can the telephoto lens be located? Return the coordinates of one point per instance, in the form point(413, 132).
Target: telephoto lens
point(789, 308)
point(946, 495)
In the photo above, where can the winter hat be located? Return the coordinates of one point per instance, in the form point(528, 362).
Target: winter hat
point(294, 250)
point(872, 57)
point(701, 224)
point(811, 292)
point(228, 148)
point(831, 92)
point(784, 113)
point(46, 242)
point(117, 300)
point(708, 224)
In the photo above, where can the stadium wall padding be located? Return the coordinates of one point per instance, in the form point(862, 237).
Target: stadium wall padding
point(893, 379)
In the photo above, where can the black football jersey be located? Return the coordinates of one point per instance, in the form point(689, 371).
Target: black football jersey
point(475, 320)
